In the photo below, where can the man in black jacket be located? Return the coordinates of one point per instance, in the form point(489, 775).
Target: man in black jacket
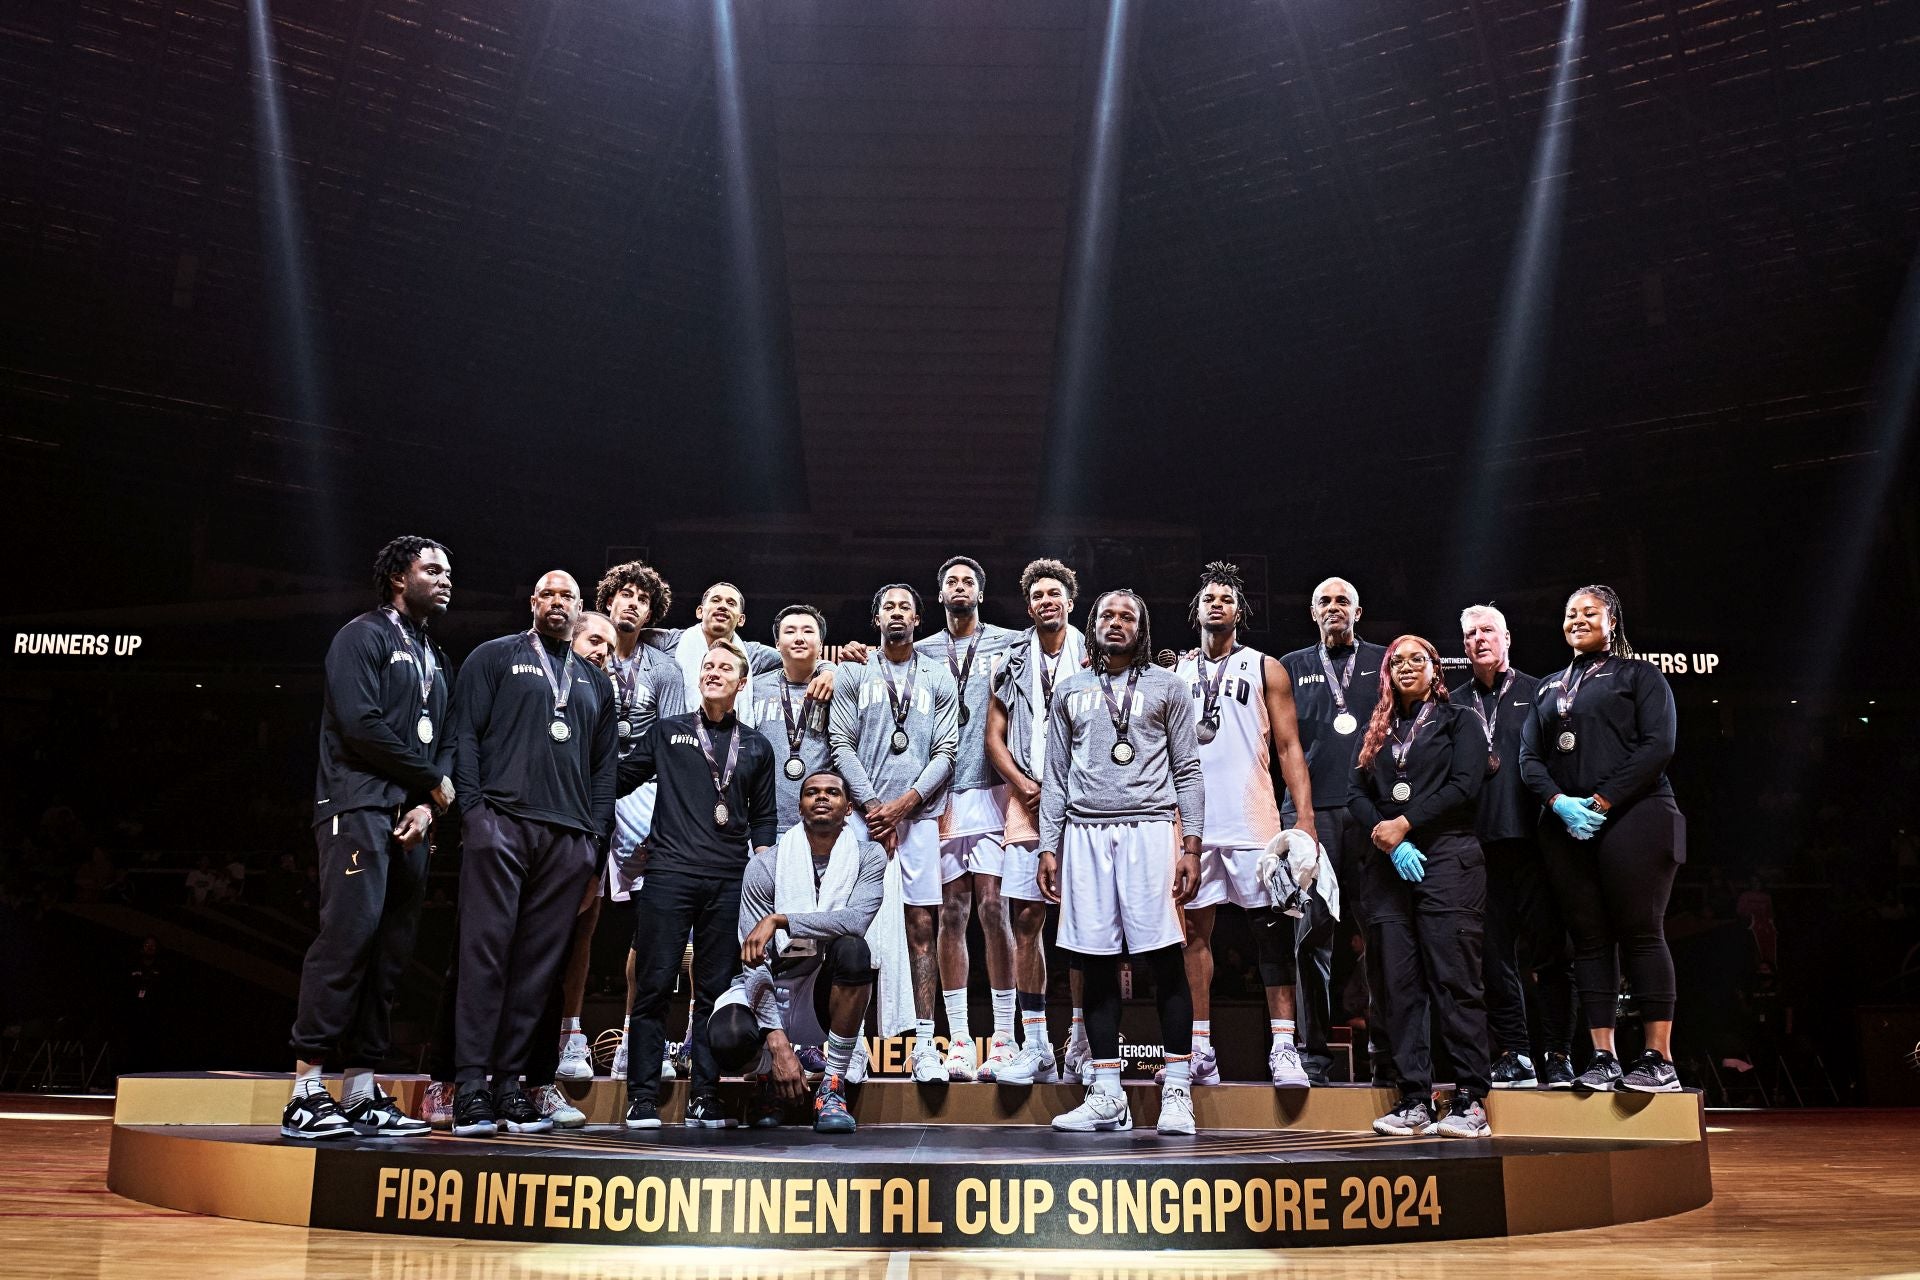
point(714, 809)
point(385, 757)
point(535, 769)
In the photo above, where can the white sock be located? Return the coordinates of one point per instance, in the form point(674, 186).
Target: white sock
point(1282, 1029)
point(1180, 1069)
point(1003, 1013)
point(357, 1087)
point(1078, 1035)
point(624, 1022)
point(1106, 1078)
point(1202, 1034)
point(839, 1052)
point(1033, 1027)
point(570, 1026)
point(923, 1034)
point(956, 1015)
point(307, 1079)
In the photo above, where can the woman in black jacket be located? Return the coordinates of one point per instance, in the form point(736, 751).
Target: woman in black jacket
point(1595, 750)
point(1421, 767)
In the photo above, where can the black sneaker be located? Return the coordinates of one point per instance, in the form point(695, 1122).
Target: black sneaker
point(518, 1113)
point(704, 1113)
point(1411, 1117)
point(381, 1117)
point(767, 1111)
point(642, 1113)
point(473, 1114)
point(1602, 1074)
point(1651, 1074)
point(1556, 1071)
point(315, 1117)
point(1513, 1071)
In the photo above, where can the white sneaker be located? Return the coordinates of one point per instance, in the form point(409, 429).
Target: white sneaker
point(555, 1106)
point(962, 1061)
point(667, 1070)
point(1097, 1113)
point(436, 1104)
point(618, 1070)
point(1034, 1064)
point(1000, 1053)
point(575, 1064)
point(1283, 1065)
point(1176, 1109)
point(927, 1066)
point(1079, 1061)
point(857, 1064)
point(1205, 1068)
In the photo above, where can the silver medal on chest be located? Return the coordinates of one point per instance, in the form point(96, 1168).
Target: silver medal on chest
point(1402, 793)
point(424, 729)
point(559, 731)
point(1345, 723)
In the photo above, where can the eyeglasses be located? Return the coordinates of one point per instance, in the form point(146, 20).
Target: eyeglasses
point(1411, 662)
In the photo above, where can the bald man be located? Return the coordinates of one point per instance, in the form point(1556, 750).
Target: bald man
point(1335, 685)
point(534, 771)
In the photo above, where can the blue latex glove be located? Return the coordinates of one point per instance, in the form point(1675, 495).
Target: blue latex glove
point(1582, 819)
point(1409, 862)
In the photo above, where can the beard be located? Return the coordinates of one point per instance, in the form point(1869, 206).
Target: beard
point(963, 608)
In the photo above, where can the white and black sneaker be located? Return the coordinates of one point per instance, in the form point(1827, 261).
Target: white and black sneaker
point(705, 1112)
point(473, 1114)
point(1097, 1113)
point(517, 1112)
point(642, 1113)
point(1411, 1117)
point(1514, 1071)
point(1651, 1073)
point(1466, 1118)
point(315, 1117)
point(1601, 1076)
point(1556, 1071)
point(381, 1117)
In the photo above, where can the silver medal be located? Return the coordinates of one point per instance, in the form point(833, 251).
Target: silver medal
point(899, 741)
point(720, 813)
point(796, 768)
point(1122, 752)
point(1345, 723)
point(1205, 731)
point(425, 728)
point(625, 729)
point(964, 714)
point(559, 731)
point(1566, 741)
point(1402, 793)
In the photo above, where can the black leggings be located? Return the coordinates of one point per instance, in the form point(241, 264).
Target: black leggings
point(1613, 890)
point(735, 1035)
point(1101, 976)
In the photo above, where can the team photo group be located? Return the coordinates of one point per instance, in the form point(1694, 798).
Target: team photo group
point(806, 828)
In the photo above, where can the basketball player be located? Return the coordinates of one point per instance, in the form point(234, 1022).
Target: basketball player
point(795, 724)
point(894, 729)
point(721, 613)
point(1122, 763)
point(1038, 661)
point(1335, 685)
point(385, 757)
point(1522, 913)
point(535, 753)
point(1243, 701)
point(971, 829)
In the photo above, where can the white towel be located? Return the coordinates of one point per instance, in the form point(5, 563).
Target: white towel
point(1292, 859)
point(1071, 655)
point(690, 652)
point(795, 893)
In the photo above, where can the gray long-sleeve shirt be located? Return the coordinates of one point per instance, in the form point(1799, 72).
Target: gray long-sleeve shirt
point(971, 770)
point(1084, 785)
point(862, 725)
point(757, 902)
point(815, 752)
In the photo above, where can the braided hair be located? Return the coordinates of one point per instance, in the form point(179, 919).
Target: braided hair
point(1143, 645)
point(1219, 573)
point(1382, 722)
point(393, 560)
point(1617, 643)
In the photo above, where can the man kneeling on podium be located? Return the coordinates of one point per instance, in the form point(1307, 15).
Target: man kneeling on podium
point(812, 933)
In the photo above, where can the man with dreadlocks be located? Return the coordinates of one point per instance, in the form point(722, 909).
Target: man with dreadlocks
point(1595, 751)
point(1122, 763)
point(1244, 701)
point(385, 761)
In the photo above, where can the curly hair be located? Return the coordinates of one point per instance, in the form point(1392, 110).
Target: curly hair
point(1617, 643)
point(1382, 722)
point(640, 574)
point(1143, 645)
point(1045, 568)
point(1219, 573)
point(394, 559)
point(881, 594)
point(819, 620)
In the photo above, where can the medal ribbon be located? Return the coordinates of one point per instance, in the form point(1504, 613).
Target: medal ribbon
point(425, 665)
point(1570, 687)
point(1122, 716)
point(1210, 691)
point(563, 687)
point(1490, 722)
point(1399, 748)
point(796, 727)
point(1337, 685)
point(960, 670)
point(626, 678)
point(899, 700)
point(1047, 671)
point(720, 780)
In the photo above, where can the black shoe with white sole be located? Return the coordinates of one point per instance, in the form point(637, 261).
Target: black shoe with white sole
point(518, 1114)
point(704, 1112)
point(643, 1113)
point(1556, 1071)
point(473, 1115)
point(1513, 1071)
point(1651, 1073)
point(315, 1117)
point(381, 1117)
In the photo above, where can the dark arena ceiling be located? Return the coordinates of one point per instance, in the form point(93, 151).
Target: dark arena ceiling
point(517, 221)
